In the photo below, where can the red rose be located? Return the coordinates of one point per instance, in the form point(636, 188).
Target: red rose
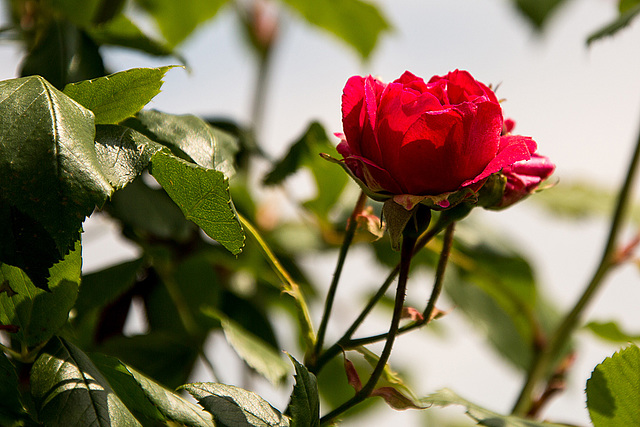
point(412, 140)
point(523, 178)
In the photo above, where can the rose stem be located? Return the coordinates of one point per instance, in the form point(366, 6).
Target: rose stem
point(345, 341)
point(408, 244)
point(435, 294)
point(352, 224)
point(549, 355)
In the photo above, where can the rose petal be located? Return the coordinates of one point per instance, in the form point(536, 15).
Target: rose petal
point(513, 148)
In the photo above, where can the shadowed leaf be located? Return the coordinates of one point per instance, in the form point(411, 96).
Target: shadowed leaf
point(235, 407)
point(69, 390)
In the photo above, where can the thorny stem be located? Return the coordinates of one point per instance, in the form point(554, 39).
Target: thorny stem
point(408, 245)
point(345, 341)
point(545, 359)
point(352, 224)
point(289, 287)
point(428, 311)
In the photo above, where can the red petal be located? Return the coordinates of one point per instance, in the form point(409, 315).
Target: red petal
point(513, 148)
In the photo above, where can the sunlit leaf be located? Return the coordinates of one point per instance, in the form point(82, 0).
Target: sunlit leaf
point(206, 145)
point(120, 31)
point(118, 96)
point(355, 22)
point(54, 173)
point(203, 196)
point(304, 407)
point(623, 20)
point(611, 331)
point(177, 20)
point(482, 416)
point(235, 407)
point(69, 390)
point(143, 395)
point(38, 313)
point(613, 391)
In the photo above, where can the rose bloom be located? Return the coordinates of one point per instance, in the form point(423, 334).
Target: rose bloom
point(523, 178)
point(412, 140)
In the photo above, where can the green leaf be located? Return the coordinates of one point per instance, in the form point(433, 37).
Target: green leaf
point(177, 20)
point(120, 31)
point(145, 396)
point(118, 96)
point(623, 20)
point(49, 164)
point(203, 196)
point(610, 331)
point(253, 350)
point(11, 409)
point(150, 213)
point(330, 181)
point(52, 54)
point(80, 13)
point(538, 11)
point(304, 407)
point(39, 314)
point(624, 5)
point(53, 172)
point(123, 153)
point(579, 200)
point(234, 407)
point(166, 357)
point(104, 286)
point(69, 390)
point(495, 287)
point(357, 23)
point(482, 416)
point(191, 137)
point(613, 391)
point(390, 386)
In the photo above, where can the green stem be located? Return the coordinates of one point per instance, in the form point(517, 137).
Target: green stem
point(428, 311)
point(439, 280)
point(408, 245)
point(290, 287)
point(345, 341)
point(352, 224)
point(543, 363)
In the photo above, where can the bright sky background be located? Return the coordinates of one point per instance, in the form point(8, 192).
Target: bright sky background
point(581, 105)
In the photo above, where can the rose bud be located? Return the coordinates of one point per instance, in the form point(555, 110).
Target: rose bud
point(433, 143)
point(523, 178)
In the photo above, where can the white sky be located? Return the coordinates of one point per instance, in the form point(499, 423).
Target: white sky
point(581, 105)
